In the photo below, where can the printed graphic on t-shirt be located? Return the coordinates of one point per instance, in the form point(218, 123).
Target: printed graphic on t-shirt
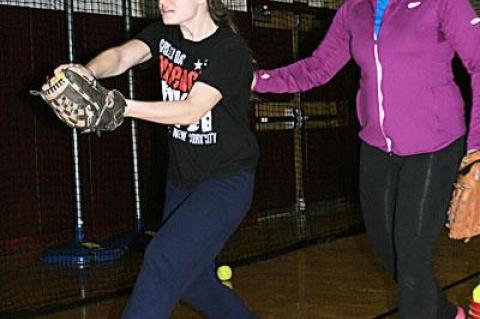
point(177, 80)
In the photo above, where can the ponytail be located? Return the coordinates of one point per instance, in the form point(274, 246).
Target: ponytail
point(221, 15)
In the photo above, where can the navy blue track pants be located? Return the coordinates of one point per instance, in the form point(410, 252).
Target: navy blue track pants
point(179, 262)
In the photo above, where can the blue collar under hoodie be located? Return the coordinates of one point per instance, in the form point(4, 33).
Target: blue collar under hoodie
point(381, 7)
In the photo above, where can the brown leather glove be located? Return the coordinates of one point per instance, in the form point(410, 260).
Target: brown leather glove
point(464, 211)
point(80, 101)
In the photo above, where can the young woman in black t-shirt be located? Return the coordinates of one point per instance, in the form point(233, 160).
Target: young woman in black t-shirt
point(205, 70)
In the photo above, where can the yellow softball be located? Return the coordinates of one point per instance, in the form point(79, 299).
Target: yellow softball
point(224, 273)
point(476, 294)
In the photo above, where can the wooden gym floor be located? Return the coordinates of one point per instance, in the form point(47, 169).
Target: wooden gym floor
point(339, 279)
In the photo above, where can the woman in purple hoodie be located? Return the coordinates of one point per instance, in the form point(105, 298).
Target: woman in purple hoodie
point(412, 126)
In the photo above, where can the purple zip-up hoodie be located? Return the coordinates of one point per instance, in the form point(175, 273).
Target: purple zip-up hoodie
point(408, 102)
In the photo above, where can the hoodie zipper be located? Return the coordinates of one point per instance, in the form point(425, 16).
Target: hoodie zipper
point(381, 110)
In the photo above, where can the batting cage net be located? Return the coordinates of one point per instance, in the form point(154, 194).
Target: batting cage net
point(78, 210)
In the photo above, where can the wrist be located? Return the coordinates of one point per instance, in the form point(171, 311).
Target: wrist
point(90, 70)
point(128, 108)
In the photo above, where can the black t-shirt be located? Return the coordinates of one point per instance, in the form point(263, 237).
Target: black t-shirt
point(221, 142)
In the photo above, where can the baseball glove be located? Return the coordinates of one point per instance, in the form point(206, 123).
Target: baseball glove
point(464, 211)
point(77, 98)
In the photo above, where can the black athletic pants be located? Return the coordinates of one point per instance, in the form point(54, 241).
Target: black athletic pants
point(404, 201)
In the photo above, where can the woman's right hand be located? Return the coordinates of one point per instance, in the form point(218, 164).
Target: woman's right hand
point(79, 68)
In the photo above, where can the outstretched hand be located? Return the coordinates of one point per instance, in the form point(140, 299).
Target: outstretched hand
point(79, 68)
point(81, 102)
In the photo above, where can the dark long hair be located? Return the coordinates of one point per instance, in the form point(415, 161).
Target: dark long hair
point(221, 15)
